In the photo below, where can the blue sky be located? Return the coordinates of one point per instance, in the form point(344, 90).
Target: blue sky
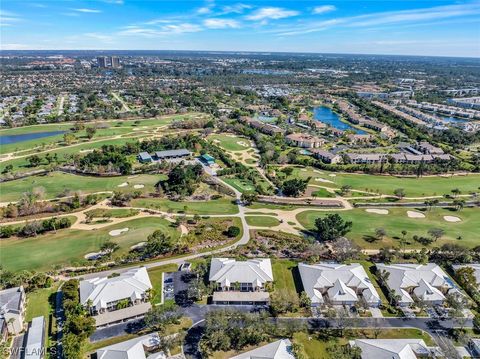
point(446, 28)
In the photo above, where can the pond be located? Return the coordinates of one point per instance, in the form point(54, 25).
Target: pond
point(453, 119)
point(9, 139)
point(326, 115)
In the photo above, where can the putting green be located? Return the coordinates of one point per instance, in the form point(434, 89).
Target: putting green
point(230, 142)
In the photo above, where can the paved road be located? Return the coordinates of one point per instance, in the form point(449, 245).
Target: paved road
point(60, 319)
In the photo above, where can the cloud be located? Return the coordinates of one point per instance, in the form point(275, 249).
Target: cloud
point(221, 23)
point(271, 13)
point(323, 9)
point(165, 30)
point(235, 9)
point(8, 18)
point(88, 11)
point(14, 46)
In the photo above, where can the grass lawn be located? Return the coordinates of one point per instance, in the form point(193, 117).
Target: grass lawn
point(364, 225)
point(240, 184)
point(218, 206)
point(155, 275)
point(56, 183)
point(230, 142)
point(262, 221)
point(320, 192)
point(69, 246)
point(115, 213)
point(283, 274)
point(414, 187)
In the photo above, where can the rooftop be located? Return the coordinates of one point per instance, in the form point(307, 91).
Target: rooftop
point(227, 271)
point(281, 349)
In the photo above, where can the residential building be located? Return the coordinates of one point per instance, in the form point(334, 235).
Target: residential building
point(102, 61)
point(240, 282)
point(264, 127)
point(427, 282)
point(12, 309)
point(281, 349)
point(326, 156)
point(476, 269)
point(117, 298)
point(359, 138)
point(35, 347)
point(338, 284)
point(304, 140)
point(366, 158)
point(144, 157)
point(428, 148)
point(115, 61)
point(392, 348)
point(207, 159)
point(136, 348)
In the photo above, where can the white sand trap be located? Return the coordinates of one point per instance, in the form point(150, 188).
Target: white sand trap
point(452, 219)
point(323, 180)
point(242, 143)
point(216, 141)
point(303, 170)
point(86, 151)
point(92, 256)
point(332, 175)
point(413, 214)
point(130, 177)
point(117, 232)
point(124, 184)
point(138, 186)
point(138, 245)
point(317, 171)
point(377, 211)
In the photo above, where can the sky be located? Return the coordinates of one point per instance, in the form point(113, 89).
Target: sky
point(408, 27)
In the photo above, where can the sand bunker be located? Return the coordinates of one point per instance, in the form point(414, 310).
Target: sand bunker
point(377, 211)
point(242, 143)
point(323, 180)
point(138, 245)
point(303, 170)
point(332, 175)
point(138, 186)
point(413, 214)
point(317, 171)
point(94, 255)
point(117, 232)
point(216, 141)
point(124, 184)
point(130, 177)
point(451, 219)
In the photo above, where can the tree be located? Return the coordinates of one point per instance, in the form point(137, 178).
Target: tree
point(158, 317)
point(68, 138)
point(90, 132)
point(345, 189)
point(233, 231)
point(283, 301)
point(34, 160)
point(344, 249)
point(248, 198)
point(158, 243)
point(456, 192)
point(436, 233)
point(294, 187)
point(109, 247)
point(399, 192)
point(331, 227)
point(380, 233)
point(458, 204)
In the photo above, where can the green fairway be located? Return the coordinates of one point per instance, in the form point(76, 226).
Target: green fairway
point(58, 183)
point(230, 142)
point(262, 221)
point(414, 187)
point(364, 225)
point(70, 245)
point(224, 206)
point(240, 184)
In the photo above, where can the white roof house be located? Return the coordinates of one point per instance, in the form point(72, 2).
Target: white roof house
point(102, 291)
point(391, 348)
point(475, 266)
point(281, 349)
point(132, 349)
point(341, 283)
point(226, 272)
point(425, 281)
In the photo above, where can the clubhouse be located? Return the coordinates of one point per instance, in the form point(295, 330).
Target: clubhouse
point(146, 157)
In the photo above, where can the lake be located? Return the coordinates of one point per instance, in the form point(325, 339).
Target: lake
point(326, 115)
point(10, 139)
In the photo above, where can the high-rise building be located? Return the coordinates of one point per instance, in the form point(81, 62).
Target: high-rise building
point(115, 62)
point(102, 61)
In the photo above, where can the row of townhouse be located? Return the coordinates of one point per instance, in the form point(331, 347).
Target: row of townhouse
point(267, 128)
point(375, 158)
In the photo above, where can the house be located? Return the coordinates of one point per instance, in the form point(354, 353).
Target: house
point(281, 349)
point(476, 269)
point(338, 284)
point(304, 140)
point(240, 282)
point(115, 299)
point(35, 347)
point(144, 157)
point(326, 156)
point(359, 138)
point(12, 309)
point(267, 128)
point(366, 158)
point(172, 154)
point(207, 159)
point(427, 282)
point(474, 346)
point(136, 348)
point(392, 348)
point(428, 148)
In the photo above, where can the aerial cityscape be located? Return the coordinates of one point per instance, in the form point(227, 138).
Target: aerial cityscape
point(244, 180)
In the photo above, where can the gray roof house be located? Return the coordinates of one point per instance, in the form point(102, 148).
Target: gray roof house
point(392, 348)
point(12, 308)
point(281, 349)
point(35, 347)
point(240, 282)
